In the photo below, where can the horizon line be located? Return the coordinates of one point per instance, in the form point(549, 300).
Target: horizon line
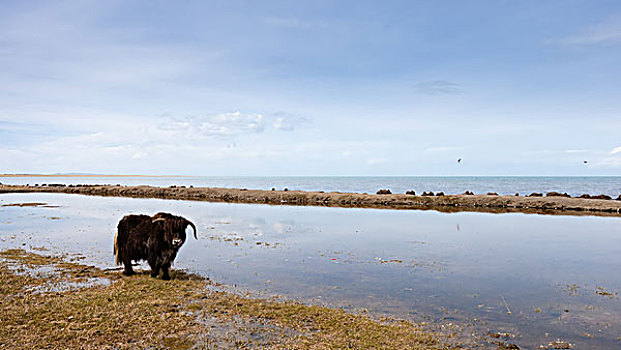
point(169, 175)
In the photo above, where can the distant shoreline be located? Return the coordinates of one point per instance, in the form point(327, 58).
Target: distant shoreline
point(85, 175)
point(490, 203)
point(288, 176)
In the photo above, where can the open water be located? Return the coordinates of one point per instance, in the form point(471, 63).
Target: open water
point(573, 185)
point(539, 278)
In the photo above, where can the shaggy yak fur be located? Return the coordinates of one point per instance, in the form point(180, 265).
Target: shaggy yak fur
point(156, 239)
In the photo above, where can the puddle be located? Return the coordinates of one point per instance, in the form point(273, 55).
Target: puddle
point(541, 279)
point(65, 286)
point(33, 271)
point(239, 333)
point(56, 278)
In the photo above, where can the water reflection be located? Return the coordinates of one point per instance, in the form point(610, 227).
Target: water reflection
point(538, 277)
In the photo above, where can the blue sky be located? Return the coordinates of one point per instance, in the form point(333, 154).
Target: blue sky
point(311, 88)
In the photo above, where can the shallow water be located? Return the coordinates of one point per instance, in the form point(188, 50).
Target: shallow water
point(537, 277)
point(573, 185)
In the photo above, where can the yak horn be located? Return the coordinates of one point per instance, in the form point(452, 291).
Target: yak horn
point(193, 227)
point(158, 219)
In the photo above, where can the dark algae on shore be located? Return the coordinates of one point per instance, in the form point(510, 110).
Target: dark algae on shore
point(188, 312)
point(551, 204)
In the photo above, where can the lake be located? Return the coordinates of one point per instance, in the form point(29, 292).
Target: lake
point(540, 278)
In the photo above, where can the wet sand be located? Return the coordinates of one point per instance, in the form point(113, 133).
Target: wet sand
point(552, 205)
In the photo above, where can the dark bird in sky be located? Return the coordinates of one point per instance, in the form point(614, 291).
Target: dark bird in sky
point(459, 160)
point(585, 162)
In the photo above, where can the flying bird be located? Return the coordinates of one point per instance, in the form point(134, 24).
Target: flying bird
point(459, 160)
point(585, 162)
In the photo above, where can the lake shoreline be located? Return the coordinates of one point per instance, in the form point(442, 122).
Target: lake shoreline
point(187, 312)
point(491, 203)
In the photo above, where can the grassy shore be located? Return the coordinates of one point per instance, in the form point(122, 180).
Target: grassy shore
point(48, 302)
point(558, 205)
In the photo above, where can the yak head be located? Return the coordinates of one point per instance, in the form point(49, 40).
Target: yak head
point(173, 227)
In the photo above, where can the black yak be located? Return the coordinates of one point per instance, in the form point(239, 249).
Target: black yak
point(156, 239)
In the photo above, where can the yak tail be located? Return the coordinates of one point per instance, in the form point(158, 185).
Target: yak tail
point(117, 260)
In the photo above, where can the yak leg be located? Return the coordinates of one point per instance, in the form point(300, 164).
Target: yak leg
point(128, 268)
point(165, 268)
point(155, 268)
point(155, 271)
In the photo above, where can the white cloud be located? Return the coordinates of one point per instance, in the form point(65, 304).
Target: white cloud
point(607, 32)
point(231, 125)
point(59, 54)
point(612, 162)
point(376, 161)
point(616, 150)
point(437, 87)
point(571, 151)
point(140, 155)
point(110, 142)
point(287, 121)
point(225, 124)
point(13, 160)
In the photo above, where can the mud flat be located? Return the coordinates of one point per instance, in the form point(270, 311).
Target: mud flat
point(558, 205)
